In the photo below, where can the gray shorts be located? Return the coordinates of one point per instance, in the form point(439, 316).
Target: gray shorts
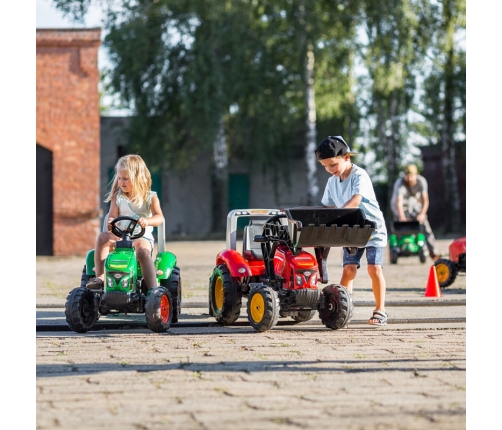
point(374, 256)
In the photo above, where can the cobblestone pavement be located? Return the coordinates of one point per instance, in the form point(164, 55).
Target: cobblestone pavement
point(402, 376)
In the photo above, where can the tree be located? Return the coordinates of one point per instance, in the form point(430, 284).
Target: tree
point(396, 41)
point(445, 100)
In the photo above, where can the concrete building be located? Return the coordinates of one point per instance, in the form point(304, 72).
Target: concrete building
point(186, 199)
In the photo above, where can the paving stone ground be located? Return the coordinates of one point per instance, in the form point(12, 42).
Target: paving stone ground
point(402, 376)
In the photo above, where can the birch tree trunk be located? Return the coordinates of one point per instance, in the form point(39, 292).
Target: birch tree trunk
point(448, 154)
point(310, 126)
point(448, 159)
point(220, 178)
point(309, 109)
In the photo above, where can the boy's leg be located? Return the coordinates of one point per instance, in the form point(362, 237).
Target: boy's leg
point(144, 252)
point(374, 256)
point(350, 265)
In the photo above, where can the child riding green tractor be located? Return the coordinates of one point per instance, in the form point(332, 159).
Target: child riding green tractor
point(124, 288)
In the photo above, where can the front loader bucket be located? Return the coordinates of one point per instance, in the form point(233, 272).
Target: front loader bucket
point(329, 227)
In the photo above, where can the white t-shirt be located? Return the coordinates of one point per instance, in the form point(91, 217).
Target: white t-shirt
point(337, 193)
point(128, 208)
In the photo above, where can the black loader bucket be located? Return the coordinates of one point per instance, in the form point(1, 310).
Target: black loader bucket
point(329, 227)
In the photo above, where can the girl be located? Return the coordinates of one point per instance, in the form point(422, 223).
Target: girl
point(130, 195)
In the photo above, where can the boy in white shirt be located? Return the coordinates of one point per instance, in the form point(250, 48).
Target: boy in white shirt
point(351, 187)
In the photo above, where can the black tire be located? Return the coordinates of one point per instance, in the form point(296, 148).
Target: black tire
point(158, 309)
point(225, 296)
point(422, 255)
point(173, 284)
point(338, 307)
point(79, 310)
point(304, 316)
point(446, 272)
point(84, 278)
point(393, 256)
point(263, 308)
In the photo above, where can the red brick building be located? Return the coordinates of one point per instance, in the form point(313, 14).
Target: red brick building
point(68, 141)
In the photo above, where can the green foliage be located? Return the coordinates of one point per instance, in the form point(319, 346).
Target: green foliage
point(182, 66)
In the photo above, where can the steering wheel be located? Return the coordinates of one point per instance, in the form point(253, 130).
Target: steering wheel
point(117, 231)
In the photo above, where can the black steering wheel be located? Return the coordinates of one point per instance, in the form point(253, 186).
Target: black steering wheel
point(117, 231)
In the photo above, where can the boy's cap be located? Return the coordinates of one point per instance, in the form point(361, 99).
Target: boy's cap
point(411, 168)
point(333, 146)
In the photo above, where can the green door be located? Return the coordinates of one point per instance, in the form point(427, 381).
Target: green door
point(238, 195)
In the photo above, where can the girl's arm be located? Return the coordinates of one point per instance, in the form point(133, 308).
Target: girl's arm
point(113, 212)
point(157, 217)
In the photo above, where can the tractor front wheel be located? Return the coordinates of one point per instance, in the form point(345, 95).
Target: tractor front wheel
point(446, 272)
point(225, 296)
point(158, 309)
point(79, 310)
point(263, 308)
point(338, 307)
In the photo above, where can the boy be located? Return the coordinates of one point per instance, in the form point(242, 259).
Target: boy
point(351, 187)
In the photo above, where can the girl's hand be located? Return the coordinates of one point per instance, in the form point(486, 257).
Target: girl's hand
point(143, 222)
point(109, 224)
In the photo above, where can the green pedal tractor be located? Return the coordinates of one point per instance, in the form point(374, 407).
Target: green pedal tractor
point(407, 239)
point(124, 289)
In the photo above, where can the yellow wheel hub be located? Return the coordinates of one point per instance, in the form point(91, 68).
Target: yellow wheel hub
point(219, 293)
point(257, 307)
point(442, 272)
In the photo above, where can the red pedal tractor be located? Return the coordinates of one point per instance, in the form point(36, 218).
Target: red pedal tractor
point(278, 277)
point(447, 269)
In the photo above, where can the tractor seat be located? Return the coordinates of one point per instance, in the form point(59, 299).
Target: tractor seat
point(251, 250)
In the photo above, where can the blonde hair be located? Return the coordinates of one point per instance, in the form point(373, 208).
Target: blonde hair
point(139, 175)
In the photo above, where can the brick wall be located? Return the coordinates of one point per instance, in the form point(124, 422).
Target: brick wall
point(68, 124)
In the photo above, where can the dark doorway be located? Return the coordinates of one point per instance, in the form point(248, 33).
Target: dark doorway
point(238, 195)
point(44, 202)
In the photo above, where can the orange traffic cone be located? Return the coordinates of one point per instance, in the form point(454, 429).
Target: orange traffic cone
point(433, 289)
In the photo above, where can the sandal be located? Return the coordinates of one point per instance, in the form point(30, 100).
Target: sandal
point(379, 318)
point(95, 284)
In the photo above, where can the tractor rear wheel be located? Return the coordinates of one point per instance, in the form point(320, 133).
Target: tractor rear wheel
point(225, 296)
point(393, 256)
point(263, 308)
point(158, 309)
point(84, 279)
point(79, 310)
point(446, 272)
point(338, 307)
point(422, 255)
point(304, 316)
point(173, 284)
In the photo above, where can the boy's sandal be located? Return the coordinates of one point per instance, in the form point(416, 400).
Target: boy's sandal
point(379, 318)
point(95, 284)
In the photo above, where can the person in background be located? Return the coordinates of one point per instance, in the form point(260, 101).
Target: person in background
point(410, 202)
